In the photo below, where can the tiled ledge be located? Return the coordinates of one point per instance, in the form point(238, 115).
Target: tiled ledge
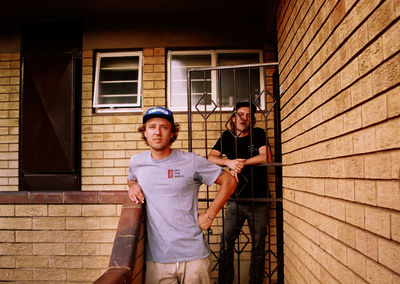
point(127, 257)
point(62, 197)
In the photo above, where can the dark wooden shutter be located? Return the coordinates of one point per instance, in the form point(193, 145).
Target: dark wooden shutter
point(50, 136)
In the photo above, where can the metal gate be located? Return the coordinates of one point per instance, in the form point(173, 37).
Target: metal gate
point(211, 109)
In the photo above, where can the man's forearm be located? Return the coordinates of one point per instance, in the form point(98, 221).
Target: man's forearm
point(217, 160)
point(227, 187)
point(259, 159)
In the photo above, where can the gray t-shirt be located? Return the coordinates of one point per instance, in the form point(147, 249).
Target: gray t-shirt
point(170, 187)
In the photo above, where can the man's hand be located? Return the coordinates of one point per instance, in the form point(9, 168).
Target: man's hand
point(205, 221)
point(135, 192)
point(236, 165)
point(235, 175)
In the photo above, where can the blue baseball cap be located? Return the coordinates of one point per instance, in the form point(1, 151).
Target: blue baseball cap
point(158, 112)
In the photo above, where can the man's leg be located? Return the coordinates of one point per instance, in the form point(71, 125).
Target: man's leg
point(258, 230)
point(233, 222)
point(195, 271)
point(161, 273)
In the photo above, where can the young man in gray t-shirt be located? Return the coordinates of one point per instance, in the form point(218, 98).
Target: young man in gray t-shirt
point(169, 180)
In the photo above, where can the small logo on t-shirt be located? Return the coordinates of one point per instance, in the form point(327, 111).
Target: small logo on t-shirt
point(252, 148)
point(174, 173)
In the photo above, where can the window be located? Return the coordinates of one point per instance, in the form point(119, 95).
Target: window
point(213, 85)
point(118, 81)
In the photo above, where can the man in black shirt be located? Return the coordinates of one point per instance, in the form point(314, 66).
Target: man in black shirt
point(244, 147)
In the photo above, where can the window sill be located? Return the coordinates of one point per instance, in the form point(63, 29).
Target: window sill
point(117, 110)
point(62, 197)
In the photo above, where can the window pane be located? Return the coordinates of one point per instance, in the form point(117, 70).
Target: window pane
point(118, 88)
point(120, 62)
point(242, 83)
point(113, 99)
point(118, 77)
point(179, 66)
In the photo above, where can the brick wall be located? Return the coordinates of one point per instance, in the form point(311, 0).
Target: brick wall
point(72, 242)
point(68, 240)
point(9, 121)
point(339, 65)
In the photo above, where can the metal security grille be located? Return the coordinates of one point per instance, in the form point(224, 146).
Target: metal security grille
point(208, 118)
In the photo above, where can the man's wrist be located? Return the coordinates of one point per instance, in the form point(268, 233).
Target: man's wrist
point(209, 217)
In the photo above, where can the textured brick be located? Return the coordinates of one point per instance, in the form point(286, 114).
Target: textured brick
point(386, 134)
point(48, 249)
point(378, 221)
point(370, 57)
point(365, 192)
point(15, 223)
point(388, 194)
point(34, 261)
point(95, 261)
point(336, 168)
point(347, 234)
point(339, 251)
point(31, 236)
point(377, 165)
point(105, 249)
point(352, 120)
point(357, 262)
point(354, 167)
point(7, 262)
point(65, 210)
point(15, 249)
point(50, 274)
point(381, 18)
point(82, 223)
point(345, 189)
point(393, 101)
point(7, 236)
point(364, 140)
point(376, 273)
point(82, 249)
point(350, 73)
point(65, 262)
point(367, 244)
point(395, 226)
point(99, 210)
point(48, 223)
point(355, 214)
point(330, 186)
point(109, 222)
point(6, 210)
point(79, 275)
point(31, 210)
point(374, 110)
point(65, 236)
point(15, 275)
point(386, 75)
point(389, 253)
point(338, 209)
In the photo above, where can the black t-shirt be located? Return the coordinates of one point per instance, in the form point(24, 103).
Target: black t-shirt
point(245, 151)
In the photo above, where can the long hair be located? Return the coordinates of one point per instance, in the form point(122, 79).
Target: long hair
point(174, 130)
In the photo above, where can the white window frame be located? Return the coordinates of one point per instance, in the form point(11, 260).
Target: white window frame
point(118, 107)
point(214, 56)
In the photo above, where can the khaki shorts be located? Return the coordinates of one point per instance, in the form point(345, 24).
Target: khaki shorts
point(195, 271)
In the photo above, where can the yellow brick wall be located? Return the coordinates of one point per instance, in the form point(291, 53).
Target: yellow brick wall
point(9, 121)
point(339, 65)
point(29, 249)
point(70, 243)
